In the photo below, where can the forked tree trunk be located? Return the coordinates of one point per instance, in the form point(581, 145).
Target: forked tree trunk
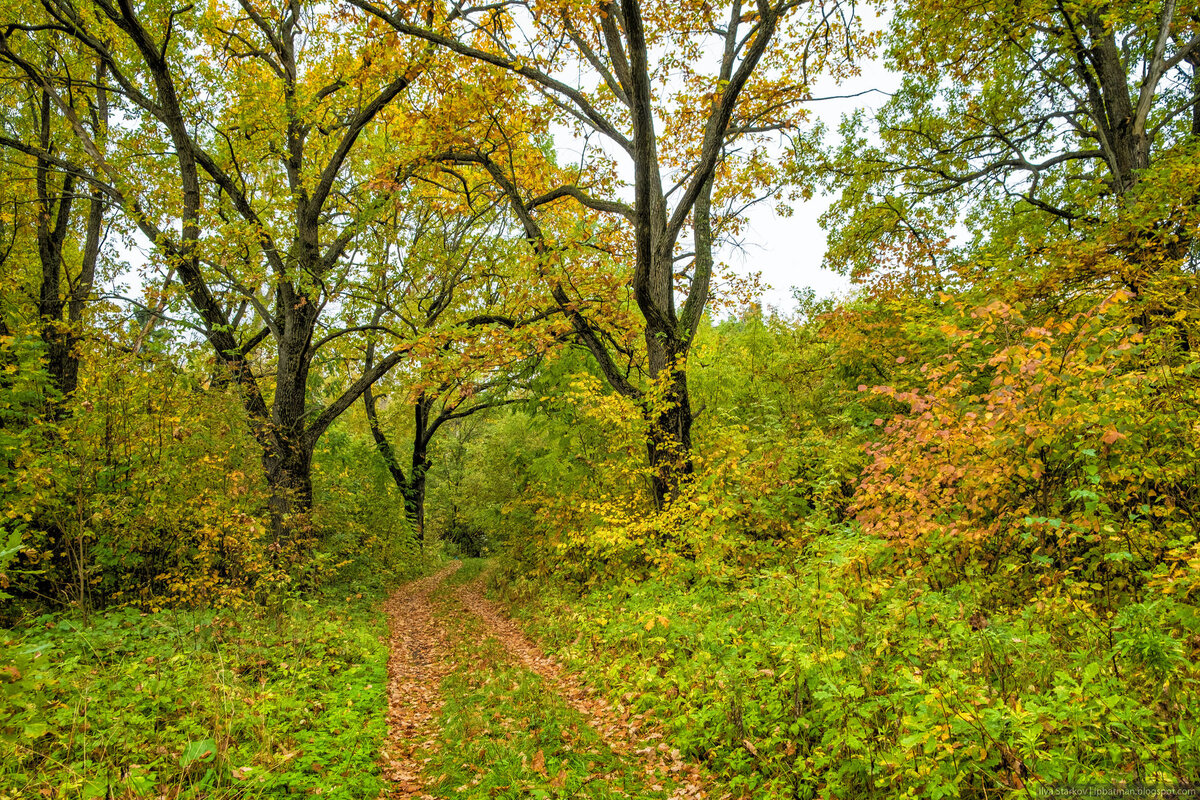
point(412, 485)
point(55, 205)
point(669, 336)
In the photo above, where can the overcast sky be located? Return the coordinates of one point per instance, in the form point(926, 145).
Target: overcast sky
point(789, 252)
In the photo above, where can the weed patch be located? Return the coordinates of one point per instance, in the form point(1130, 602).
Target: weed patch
point(828, 678)
point(190, 704)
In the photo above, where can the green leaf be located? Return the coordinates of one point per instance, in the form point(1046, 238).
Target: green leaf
point(35, 730)
point(200, 750)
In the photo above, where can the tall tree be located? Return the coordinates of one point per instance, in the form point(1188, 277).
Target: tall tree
point(1048, 112)
point(67, 243)
point(451, 275)
point(694, 128)
point(261, 109)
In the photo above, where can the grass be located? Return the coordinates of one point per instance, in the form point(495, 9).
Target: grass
point(470, 569)
point(505, 733)
point(190, 704)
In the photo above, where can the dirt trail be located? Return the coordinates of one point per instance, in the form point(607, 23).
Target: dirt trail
point(416, 666)
point(630, 736)
point(420, 659)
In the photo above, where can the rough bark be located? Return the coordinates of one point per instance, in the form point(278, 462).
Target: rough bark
point(289, 476)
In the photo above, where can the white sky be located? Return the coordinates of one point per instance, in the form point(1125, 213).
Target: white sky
point(789, 252)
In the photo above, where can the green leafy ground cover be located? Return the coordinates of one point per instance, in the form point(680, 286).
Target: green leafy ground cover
point(828, 678)
point(188, 704)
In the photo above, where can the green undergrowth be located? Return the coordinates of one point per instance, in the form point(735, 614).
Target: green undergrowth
point(470, 569)
point(195, 704)
point(506, 733)
point(832, 677)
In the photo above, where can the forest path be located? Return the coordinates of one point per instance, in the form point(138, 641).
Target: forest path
point(472, 698)
point(417, 663)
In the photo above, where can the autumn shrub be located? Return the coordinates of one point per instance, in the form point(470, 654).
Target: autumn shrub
point(778, 447)
point(973, 575)
point(147, 493)
point(586, 460)
point(24, 389)
point(736, 510)
point(1060, 449)
point(151, 492)
point(783, 386)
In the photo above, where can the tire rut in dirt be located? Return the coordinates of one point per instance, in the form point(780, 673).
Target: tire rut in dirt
point(416, 665)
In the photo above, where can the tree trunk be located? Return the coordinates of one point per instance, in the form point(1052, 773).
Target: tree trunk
point(411, 486)
point(414, 501)
point(669, 336)
point(289, 479)
point(382, 445)
point(669, 437)
point(53, 227)
point(1125, 142)
point(415, 496)
point(59, 333)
